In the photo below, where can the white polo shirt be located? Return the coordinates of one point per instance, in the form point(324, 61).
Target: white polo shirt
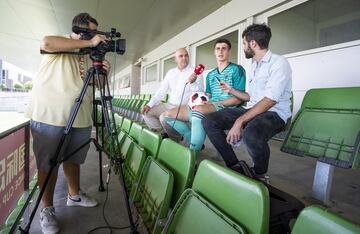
point(174, 83)
point(271, 78)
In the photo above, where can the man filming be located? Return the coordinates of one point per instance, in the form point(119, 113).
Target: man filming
point(56, 86)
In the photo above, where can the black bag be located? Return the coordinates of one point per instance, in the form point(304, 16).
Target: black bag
point(283, 207)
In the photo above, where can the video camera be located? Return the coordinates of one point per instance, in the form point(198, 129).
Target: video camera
point(98, 53)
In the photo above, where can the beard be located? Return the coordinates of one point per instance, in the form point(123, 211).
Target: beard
point(249, 53)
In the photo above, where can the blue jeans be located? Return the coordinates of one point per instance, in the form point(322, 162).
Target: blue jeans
point(257, 132)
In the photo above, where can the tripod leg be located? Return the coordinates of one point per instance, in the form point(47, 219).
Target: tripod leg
point(96, 124)
point(109, 117)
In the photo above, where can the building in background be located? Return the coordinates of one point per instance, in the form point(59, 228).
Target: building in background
point(11, 74)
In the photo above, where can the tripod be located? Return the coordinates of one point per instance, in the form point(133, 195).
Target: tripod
point(93, 74)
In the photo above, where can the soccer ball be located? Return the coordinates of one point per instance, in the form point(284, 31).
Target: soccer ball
point(197, 98)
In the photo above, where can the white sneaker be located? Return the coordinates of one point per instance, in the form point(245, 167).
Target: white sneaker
point(81, 200)
point(48, 222)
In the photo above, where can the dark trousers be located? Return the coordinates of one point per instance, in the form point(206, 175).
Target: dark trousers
point(256, 134)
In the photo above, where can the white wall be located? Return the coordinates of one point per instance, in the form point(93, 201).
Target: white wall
point(124, 72)
point(332, 66)
point(324, 69)
point(226, 16)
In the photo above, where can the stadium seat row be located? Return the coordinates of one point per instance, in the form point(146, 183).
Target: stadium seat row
point(171, 198)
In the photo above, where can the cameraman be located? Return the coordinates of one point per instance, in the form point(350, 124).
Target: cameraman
point(57, 85)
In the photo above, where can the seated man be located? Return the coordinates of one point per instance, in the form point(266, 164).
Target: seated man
point(175, 81)
point(268, 106)
point(226, 71)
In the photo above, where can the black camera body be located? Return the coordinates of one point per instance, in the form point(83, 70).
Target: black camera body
point(98, 53)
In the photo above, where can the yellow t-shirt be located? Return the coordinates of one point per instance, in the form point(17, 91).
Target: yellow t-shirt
point(56, 86)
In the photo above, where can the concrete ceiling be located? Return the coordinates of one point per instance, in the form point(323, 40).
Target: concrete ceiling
point(145, 24)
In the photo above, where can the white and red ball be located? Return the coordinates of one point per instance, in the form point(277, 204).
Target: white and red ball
point(197, 98)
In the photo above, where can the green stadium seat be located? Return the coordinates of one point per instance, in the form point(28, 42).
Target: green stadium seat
point(193, 214)
point(22, 200)
point(327, 127)
point(242, 199)
point(10, 220)
point(134, 162)
point(135, 131)
point(118, 121)
point(180, 160)
point(152, 195)
point(126, 125)
point(32, 184)
point(150, 141)
point(125, 146)
point(5, 230)
point(147, 97)
point(317, 220)
point(165, 99)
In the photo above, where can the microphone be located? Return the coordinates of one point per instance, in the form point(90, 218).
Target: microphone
point(199, 69)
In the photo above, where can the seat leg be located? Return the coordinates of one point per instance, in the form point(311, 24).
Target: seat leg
point(322, 182)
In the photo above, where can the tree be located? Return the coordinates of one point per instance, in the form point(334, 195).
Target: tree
point(2, 86)
point(28, 85)
point(18, 86)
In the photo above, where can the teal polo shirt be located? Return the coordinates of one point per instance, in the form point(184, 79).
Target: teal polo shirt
point(233, 74)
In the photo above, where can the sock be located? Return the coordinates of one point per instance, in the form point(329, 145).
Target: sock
point(197, 131)
point(180, 126)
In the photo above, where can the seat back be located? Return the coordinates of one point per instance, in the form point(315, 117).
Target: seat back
point(134, 162)
point(147, 97)
point(180, 160)
point(135, 131)
point(150, 141)
point(315, 219)
point(165, 99)
point(194, 214)
point(118, 121)
point(126, 125)
point(125, 146)
point(244, 200)
point(153, 194)
point(327, 127)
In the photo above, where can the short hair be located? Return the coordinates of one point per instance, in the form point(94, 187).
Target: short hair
point(83, 19)
point(261, 33)
point(223, 40)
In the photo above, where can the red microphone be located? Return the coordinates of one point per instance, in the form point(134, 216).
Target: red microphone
point(199, 69)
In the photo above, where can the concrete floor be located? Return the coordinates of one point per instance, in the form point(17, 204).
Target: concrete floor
point(289, 173)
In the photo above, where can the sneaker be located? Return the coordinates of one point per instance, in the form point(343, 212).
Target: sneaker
point(48, 221)
point(81, 200)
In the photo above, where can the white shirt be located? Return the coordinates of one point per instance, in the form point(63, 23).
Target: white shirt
point(271, 78)
point(174, 83)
